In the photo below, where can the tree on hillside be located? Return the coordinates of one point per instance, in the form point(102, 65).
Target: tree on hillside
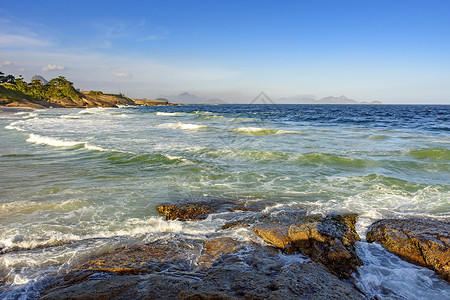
point(60, 81)
point(21, 85)
point(7, 78)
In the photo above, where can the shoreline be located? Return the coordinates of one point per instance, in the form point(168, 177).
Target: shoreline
point(8, 110)
point(320, 260)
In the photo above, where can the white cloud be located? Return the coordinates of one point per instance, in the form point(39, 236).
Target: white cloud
point(50, 67)
point(5, 63)
point(123, 74)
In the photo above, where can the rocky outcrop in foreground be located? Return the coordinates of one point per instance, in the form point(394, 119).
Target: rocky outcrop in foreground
point(308, 260)
point(329, 240)
point(419, 241)
point(220, 268)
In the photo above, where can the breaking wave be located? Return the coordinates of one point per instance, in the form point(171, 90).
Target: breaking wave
point(50, 141)
point(439, 154)
point(256, 131)
point(183, 126)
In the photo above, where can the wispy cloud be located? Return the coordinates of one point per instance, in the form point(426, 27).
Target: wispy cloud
point(5, 63)
point(50, 67)
point(117, 28)
point(14, 40)
point(150, 38)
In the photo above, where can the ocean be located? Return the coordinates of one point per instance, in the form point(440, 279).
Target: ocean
point(79, 182)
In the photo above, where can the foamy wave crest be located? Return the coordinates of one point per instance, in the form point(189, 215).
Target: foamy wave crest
point(211, 117)
point(201, 112)
point(184, 126)
point(16, 126)
point(134, 227)
point(260, 131)
point(19, 242)
point(94, 111)
point(70, 117)
point(45, 140)
point(190, 126)
point(161, 113)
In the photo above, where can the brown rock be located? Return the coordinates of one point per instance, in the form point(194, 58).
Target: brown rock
point(187, 211)
point(190, 211)
point(236, 224)
point(160, 255)
point(149, 286)
point(276, 234)
point(328, 240)
point(216, 248)
point(92, 289)
point(240, 271)
point(420, 241)
point(313, 281)
point(297, 281)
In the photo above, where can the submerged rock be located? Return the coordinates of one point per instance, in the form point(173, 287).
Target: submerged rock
point(157, 256)
point(200, 210)
point(187, 211)
point(420, 241)
point(328, 240)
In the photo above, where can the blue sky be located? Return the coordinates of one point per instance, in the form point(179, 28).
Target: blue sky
point(392, 51)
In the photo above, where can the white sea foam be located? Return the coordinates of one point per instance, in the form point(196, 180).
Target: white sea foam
point(173, 157)
point(190, 126)
point(71, 116)
point(14, 126)
point(45, 140)
point(122, 116)
point(21, 113)
point(261, 131)
point(134, 227)
point(200, 112)
point(94, 148)
point(183, 126)
point(50, 141)
point(161, 113)
point(20, 280)
point(95, 111)
point(385, 276)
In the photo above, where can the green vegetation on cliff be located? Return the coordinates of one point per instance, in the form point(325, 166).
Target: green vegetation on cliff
point(16, 89)
point(59, 92)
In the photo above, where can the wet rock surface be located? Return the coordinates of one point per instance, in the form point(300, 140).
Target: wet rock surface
point(187, 211)
point(200, 210)
point(420, 241)
point(219, 268)
point(329, 240)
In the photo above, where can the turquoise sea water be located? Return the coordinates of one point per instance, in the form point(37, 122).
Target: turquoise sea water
point(76, 182)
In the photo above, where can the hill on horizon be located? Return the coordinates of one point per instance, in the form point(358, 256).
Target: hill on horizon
point(187, 98)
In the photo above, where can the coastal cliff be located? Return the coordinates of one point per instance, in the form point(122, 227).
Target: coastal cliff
point(59, 92)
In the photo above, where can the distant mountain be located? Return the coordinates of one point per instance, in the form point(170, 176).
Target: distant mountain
point(40, 78)
point(186, 98)
point(325, 100)
point(337, 100)
point(297, 100)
